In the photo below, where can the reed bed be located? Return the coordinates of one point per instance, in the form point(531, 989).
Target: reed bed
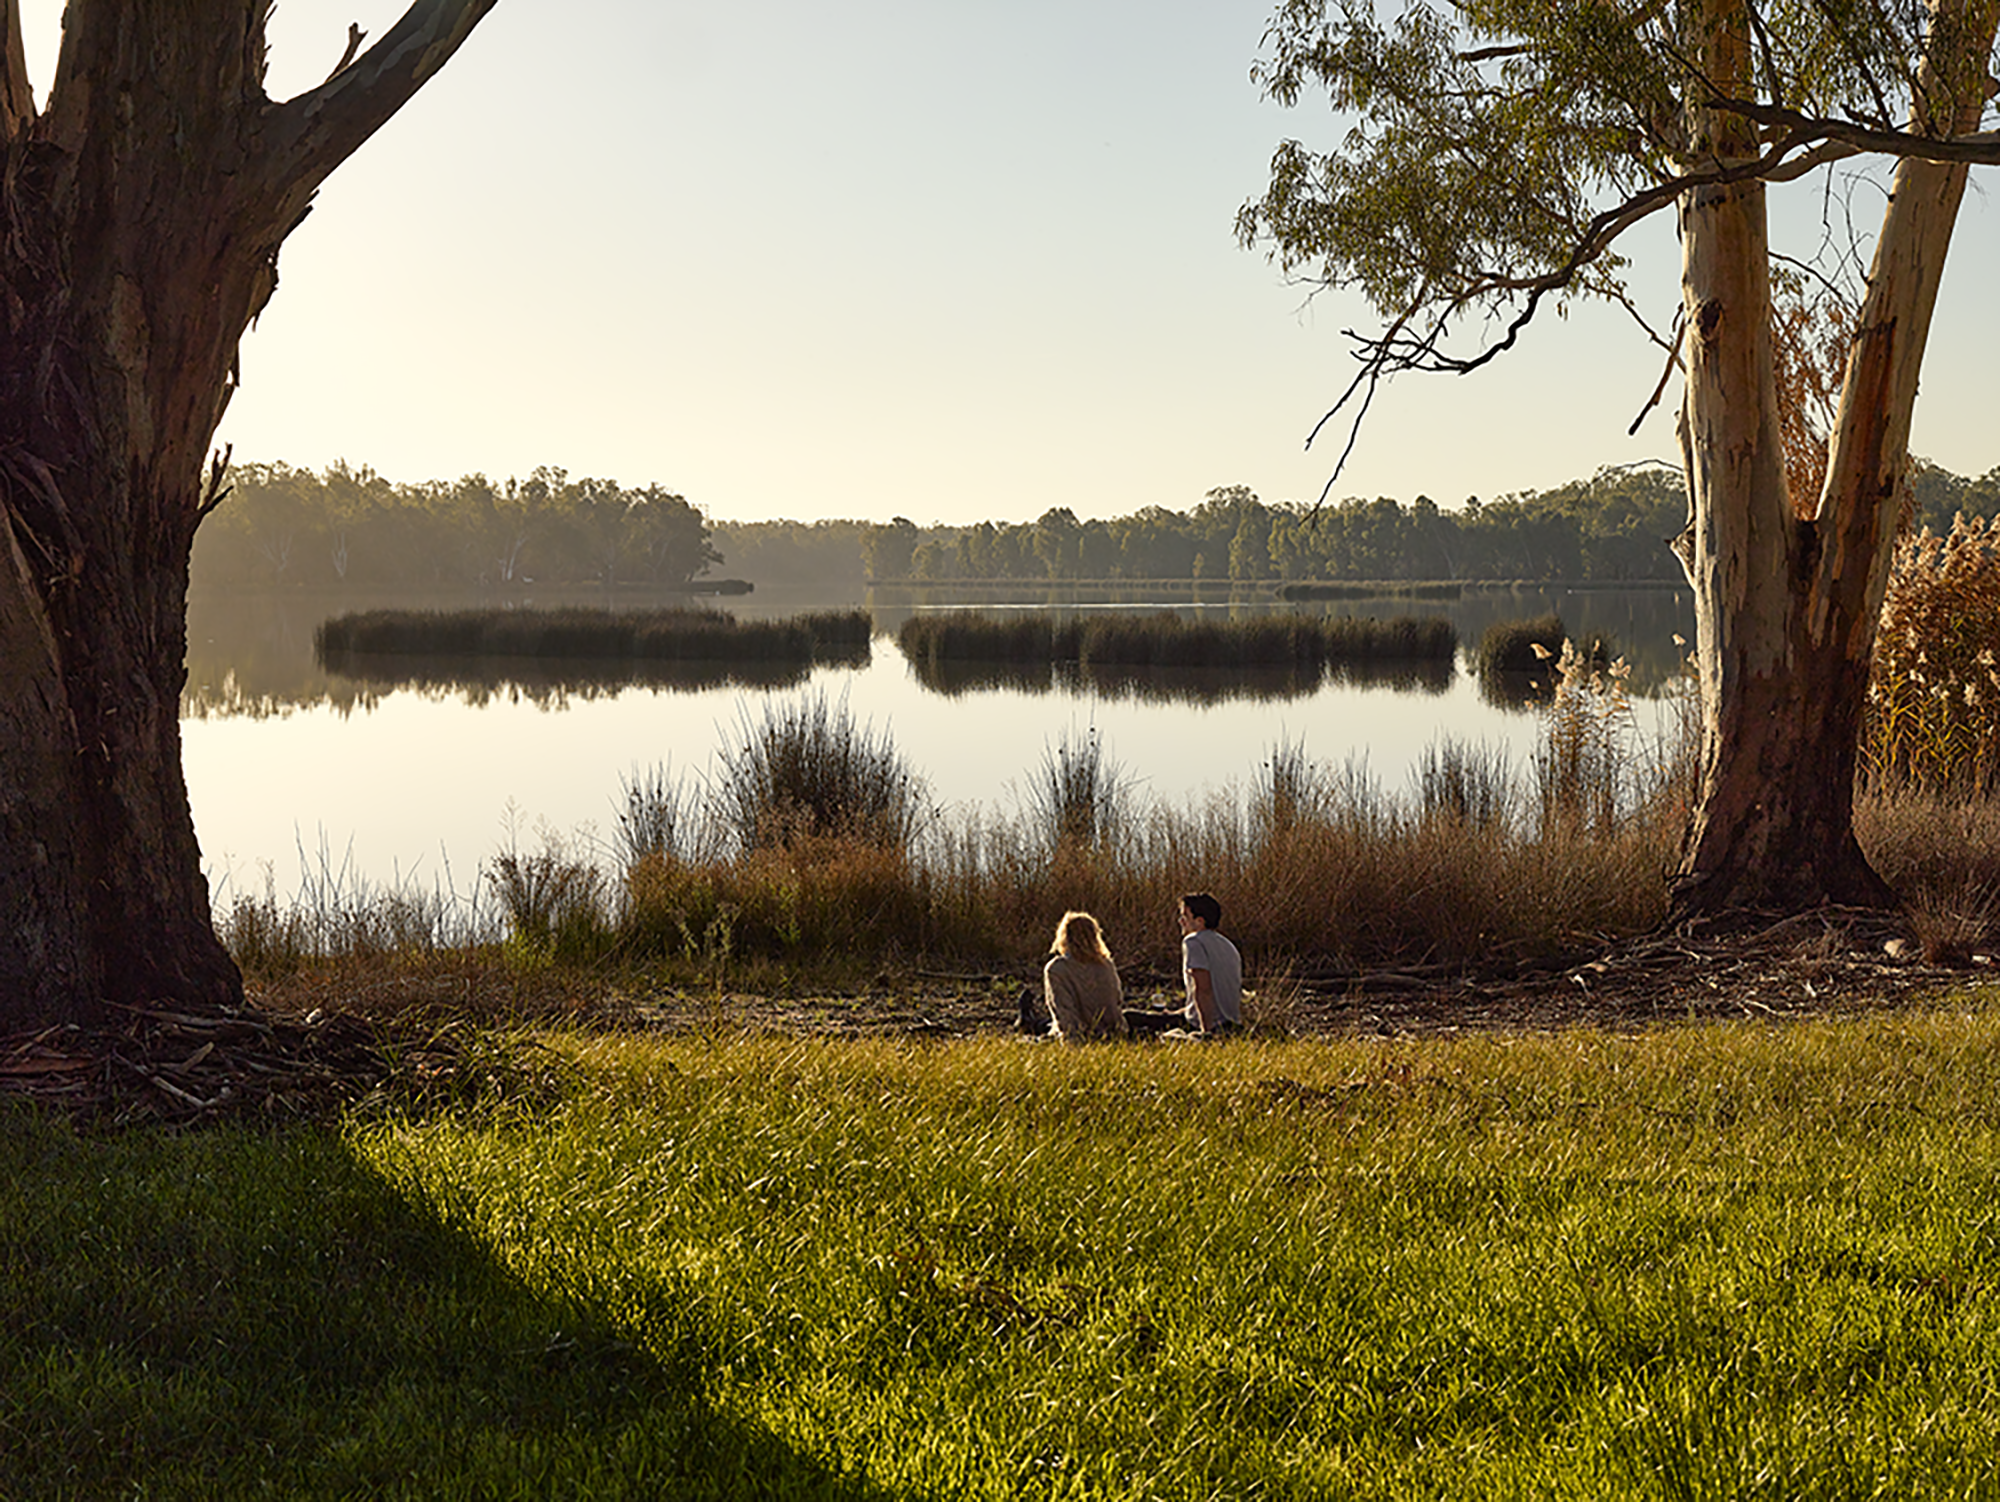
point(1166, 640)
point(815, 849)
point(1933, 716)
point(576, 633)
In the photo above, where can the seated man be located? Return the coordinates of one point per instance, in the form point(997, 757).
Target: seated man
point(1212, 971)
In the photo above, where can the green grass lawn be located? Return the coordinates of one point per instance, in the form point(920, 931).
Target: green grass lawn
point(1703, 1262)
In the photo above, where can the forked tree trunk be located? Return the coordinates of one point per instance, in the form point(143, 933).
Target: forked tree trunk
point(140, 218)
point(1786, 607)
point(1772, 824)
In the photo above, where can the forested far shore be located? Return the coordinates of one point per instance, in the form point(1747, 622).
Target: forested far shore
point(347, 528)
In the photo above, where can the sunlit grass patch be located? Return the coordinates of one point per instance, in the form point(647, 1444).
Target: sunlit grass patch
point(1717, 1261)
point(1495, 1266)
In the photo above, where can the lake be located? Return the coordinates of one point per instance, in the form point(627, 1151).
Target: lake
point(301, 778)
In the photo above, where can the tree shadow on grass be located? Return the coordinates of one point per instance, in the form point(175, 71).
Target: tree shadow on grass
point(228, 1314)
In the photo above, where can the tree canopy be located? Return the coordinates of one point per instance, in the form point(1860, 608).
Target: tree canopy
point(1491, 155)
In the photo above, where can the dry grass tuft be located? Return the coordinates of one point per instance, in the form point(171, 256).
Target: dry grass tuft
point(1954, 919)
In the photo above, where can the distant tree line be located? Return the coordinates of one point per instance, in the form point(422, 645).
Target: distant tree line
point(283, 526)
point(1616, 525)
point(280, 526)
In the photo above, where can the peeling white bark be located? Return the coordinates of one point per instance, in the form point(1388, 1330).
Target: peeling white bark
point(1786, 609)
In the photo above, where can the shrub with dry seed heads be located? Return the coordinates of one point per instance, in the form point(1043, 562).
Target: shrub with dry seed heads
point(1933, 709)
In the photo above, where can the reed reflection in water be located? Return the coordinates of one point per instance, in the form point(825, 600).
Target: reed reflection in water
point(554, 681)
point(954, 678)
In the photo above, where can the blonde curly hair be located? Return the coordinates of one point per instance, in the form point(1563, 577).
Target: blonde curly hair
point(1079, 938)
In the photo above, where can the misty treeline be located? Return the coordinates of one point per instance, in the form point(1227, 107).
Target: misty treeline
point(279, 526)
point(352, 528)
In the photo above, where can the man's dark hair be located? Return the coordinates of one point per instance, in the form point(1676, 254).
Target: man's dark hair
point(1204, 907)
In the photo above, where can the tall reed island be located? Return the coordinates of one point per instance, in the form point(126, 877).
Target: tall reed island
point(678, 633)
point(1163, 639)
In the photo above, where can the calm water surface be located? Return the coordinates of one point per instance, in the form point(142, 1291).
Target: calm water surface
point(300, 778)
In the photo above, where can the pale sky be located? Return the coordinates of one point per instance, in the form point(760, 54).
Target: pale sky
point(948, 260)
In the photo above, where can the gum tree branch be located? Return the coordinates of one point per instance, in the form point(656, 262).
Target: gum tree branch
point(311, 135)
point(17, 100)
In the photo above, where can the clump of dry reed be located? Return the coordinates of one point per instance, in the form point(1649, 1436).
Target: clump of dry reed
point(1933, 715)
point(1940, 852)
point(338, 916)
point(1583, 766)
point(1078, 798)
point(805, 769)
point(553, 902)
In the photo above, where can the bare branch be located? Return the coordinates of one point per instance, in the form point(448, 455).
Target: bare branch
point(1828, 288)
point(1631, 309)
point(1373, 368)
point(217, 486)
point(355, 37)
point(1666, 371)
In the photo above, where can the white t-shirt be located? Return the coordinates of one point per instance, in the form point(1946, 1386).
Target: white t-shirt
point(1204, 949)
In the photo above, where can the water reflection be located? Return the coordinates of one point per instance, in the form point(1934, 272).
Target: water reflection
point(252, 656)
point(1205, 686)
point(1639, 621)
point(553, 681)
point(1508, 690)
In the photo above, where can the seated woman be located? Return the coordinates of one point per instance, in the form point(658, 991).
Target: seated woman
point(1080, 983)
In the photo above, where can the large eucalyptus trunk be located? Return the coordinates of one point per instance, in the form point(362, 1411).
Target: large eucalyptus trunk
point(1772, 824)
point(1786, 605)
point(141, 212)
